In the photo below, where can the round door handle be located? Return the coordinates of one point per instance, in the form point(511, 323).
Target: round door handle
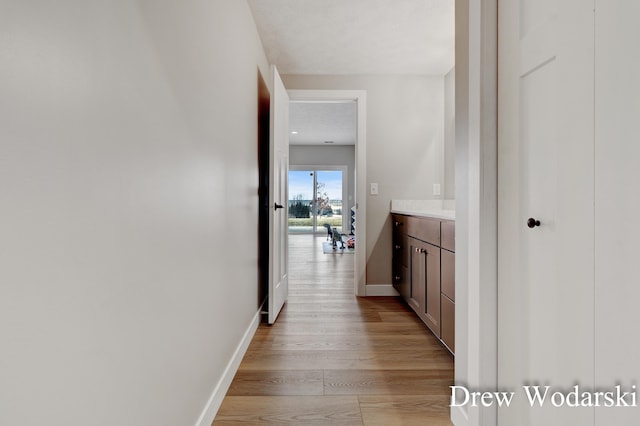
point(397, 247)
point(532, 223)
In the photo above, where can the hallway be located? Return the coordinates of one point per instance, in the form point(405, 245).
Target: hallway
point(334, 358)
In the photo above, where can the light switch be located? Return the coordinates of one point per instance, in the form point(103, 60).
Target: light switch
point(374, 189)
point(436, 189)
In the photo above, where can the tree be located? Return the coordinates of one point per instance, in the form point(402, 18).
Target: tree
point(298, 208)
point(322, 200)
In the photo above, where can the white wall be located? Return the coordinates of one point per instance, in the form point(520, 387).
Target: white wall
point(449, 154)
point(126, 126)
point(405, 116)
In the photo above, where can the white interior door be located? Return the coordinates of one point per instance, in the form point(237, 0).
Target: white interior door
point(546, 145)
point(279, 163)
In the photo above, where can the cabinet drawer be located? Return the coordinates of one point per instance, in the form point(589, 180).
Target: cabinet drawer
point(449, 235)
point(399, 223)
point(448, 323)
point(448, 274)
point(424, 229)
point(401, 248)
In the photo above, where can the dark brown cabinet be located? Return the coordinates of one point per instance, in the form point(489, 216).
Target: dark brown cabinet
point(424, 272)
point(448, 297)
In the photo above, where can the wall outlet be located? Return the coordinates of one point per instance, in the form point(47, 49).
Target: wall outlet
point(374, 189)
point(436, 189)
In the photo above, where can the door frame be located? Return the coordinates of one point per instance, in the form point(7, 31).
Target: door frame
point(476, 87)
point(360, 98)
point(345, 186)
point(264, 178)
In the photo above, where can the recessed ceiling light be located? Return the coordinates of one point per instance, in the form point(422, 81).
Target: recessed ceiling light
point(294, 132)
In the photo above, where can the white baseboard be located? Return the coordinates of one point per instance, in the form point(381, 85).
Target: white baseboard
point(380, 290)
point(215, 400)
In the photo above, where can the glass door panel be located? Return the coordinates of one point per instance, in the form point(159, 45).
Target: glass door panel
point(328, 199)
point(301, 196)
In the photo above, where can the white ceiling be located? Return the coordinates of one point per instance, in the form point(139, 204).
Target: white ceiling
point(357, 36)
point(313, 123)
point(352, 37)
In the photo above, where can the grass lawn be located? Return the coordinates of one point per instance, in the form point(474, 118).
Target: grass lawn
point(334, 221)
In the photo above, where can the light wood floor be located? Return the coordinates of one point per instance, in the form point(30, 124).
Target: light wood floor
point(334, 358)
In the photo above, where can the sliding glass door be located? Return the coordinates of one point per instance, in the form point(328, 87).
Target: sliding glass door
point(315, 199)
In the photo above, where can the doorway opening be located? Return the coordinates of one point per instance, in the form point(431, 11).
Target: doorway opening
point(331, 154)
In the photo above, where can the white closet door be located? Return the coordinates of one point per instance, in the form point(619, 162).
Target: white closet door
point(546, 144)
point(279, 157)
point(617, 203)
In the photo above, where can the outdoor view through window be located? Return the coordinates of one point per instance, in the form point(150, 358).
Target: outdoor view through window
point(315, 199)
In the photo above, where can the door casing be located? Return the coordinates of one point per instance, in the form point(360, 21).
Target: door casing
point(476, 206)
point(360, 98)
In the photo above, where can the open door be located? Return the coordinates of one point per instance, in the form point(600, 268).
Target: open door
point(279, 164)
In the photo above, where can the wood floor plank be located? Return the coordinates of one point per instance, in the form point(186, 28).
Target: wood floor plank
point(347, 342)
point(405, 410)
point(344, 317)
point(277, 382)
point(399, 317)
point(390, 359)
point(387, 382)
point(299, 410)
point(308, 328)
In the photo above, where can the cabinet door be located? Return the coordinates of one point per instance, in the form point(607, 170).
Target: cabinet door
point(418, 275)
point(448, 322)
point(448, 273)
point(432, 288)
point(401, 279)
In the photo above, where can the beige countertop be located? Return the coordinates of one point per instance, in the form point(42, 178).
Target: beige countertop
point(437, 209)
